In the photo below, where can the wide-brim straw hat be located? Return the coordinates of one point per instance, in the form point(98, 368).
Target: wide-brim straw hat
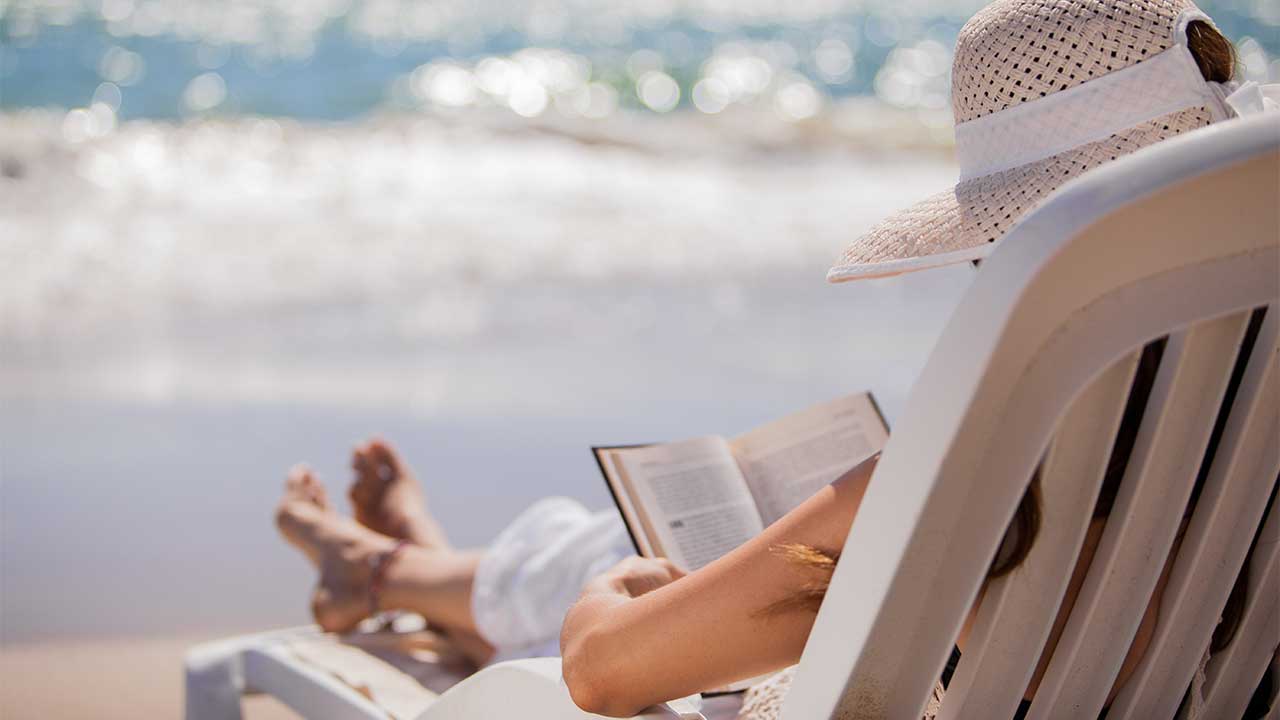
point(1042, 91)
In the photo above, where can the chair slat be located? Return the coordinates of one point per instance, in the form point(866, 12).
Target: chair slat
point(1017, 611)
point(1233, 673)
point(1218, 537)
point(1144, 521)
point(308, 690)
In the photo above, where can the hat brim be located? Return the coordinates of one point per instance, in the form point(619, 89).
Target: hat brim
point(927, 235)
point(968, 221)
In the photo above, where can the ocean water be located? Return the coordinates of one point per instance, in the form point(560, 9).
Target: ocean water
point(238, 235)
point(344, 59)
point(438, 176)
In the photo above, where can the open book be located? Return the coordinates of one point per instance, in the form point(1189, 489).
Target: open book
point(695, 500)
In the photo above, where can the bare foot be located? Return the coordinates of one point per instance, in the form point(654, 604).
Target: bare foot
point(303, 504)
point(343, 551)
point(388, 499)
point(348, 553)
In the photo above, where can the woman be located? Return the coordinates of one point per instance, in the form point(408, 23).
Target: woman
point(624, 648)
point(642, 631)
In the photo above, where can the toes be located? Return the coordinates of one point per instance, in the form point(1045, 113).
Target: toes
point(301, 483)
point(363, 462)
point(297, 475)
point(319, 495)
point(363, 468)
point(385, 458)
point(310, 485)
point(376, 463)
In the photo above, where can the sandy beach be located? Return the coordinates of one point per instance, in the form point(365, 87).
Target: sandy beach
point(122, 678)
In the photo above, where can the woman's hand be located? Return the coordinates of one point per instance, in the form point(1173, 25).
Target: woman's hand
point(635, 576)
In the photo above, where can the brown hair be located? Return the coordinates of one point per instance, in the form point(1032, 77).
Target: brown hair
point(1214, 54)
point(1216, 58)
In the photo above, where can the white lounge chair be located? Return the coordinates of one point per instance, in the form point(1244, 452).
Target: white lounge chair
point(1181, 240)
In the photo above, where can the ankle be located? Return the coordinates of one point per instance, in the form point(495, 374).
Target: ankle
point(380, 564)
point(421, 531)
point(403, 574)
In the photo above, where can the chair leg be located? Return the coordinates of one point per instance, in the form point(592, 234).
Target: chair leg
point(214, 682)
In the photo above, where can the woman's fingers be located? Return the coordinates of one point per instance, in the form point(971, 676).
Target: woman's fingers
point(637, 575)
point(676, 572)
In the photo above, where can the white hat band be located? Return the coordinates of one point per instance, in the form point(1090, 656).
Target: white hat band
point(1089, 112)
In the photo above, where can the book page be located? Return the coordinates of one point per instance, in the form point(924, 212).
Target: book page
point(790, 459)
point(692, 497)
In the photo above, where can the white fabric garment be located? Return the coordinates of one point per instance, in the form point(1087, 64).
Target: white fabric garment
point(1249, 98)
point(535, 570)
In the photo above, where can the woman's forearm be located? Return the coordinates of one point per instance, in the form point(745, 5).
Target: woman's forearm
point(707, 629)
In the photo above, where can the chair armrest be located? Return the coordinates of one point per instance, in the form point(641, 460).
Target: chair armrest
point(532, 689)
point(219, 673)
